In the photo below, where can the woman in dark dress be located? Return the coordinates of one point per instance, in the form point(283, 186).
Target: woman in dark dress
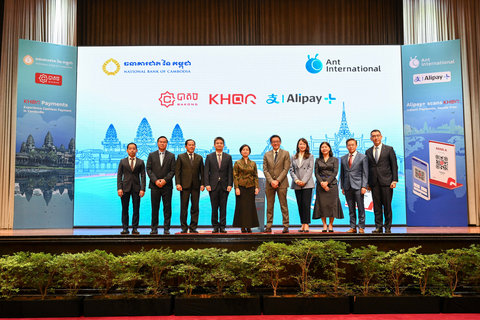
point(245, 180)
point(327, 202)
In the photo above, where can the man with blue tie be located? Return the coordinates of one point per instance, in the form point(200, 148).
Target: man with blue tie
point(353, 181)
point(131, 182)
point(160, 170)
point(218, 182)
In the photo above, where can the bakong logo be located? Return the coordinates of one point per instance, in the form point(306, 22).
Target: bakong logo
point(314, 65)
point(167, 99)
point(114, 63)
point(50, 79)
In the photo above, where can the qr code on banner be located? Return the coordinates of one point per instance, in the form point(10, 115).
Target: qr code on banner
point(420, 174)
point(441, 162)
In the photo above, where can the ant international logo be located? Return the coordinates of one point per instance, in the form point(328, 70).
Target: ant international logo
point(414, 63)
point(314, 65)
point(109, 65)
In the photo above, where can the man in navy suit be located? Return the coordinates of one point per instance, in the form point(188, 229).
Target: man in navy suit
point(189, 181)
point(131, 182)
point(160, 170)
point(353, 181)
point(382, 179)
point(218, 182)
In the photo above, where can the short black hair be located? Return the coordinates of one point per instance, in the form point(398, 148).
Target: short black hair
point(161, 138)
point(218, 138)
point(133, 144)
point(243, 146)
point(352, 139)
point(275, 136)
point(186, 142)
point(374, 130)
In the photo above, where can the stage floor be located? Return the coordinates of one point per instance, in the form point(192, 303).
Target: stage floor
point(234, 231)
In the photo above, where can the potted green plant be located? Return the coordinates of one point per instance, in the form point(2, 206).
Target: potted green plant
point(126, 272)
point(460, 268)
point(307, 256)
point(35, 271)
point(399, 271)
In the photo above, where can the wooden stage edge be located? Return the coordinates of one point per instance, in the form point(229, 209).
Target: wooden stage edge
point(432, 239)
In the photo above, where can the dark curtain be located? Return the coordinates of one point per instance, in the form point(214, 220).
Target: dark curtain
point(239, 22)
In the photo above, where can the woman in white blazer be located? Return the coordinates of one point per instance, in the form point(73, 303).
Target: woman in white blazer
point(301, 170)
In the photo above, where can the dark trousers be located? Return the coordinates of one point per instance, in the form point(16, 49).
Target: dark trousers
point(354, 198)
point(185, 196)
point(304, 202)
point(218, 199)
point(136, 208)
point(166, 196)
point(382, 205)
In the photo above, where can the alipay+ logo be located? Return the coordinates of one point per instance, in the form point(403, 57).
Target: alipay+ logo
point(314, 65)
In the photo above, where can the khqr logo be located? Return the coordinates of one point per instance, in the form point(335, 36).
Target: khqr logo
point(314, 65)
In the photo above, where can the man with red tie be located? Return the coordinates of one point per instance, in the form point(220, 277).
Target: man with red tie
point(353, 181)
point(382, 179)
point(131, 182)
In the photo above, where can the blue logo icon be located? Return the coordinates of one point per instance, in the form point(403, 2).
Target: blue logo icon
point(314, 65)
point(330, 98)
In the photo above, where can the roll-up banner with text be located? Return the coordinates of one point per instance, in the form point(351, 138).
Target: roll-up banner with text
point(45, 136)
point(435, 176)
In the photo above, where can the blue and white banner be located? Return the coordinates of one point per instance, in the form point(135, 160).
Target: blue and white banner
point(435, 176)
point(45, 140)
point(242, 93)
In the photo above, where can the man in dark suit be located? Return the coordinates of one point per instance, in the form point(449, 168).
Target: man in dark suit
point(382, 179)
point(160, 170)
point(276, 164)
point(131, 182)
point(189, 181)
point(353, 181)
point(219, 182)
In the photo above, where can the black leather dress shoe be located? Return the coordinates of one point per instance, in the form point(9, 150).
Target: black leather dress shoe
point(388, 230)
point(249, 230)
point(125, 231)
point(378, 230)
point(215, 230)
point(193, 231)
point(244, 230)
point(135, 231)
point(268, 230)
point(154, 231)
point(166, 231)
point(222, 230)
point(184, 231)
point(285, 230)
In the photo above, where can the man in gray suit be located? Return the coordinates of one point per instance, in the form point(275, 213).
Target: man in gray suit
point(160, 170)
point(353, 181)
point(276, 164)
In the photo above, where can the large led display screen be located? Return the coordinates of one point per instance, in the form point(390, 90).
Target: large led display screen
point(244, 94)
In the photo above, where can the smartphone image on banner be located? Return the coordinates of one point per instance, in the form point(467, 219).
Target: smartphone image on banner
point(421, 179)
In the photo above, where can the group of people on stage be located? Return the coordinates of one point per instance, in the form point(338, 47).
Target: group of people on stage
point(376, 170)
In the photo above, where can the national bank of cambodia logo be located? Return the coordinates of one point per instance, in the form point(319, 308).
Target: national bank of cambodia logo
point(28, 60)
point(110, 63)
point(414, 63)
point(314, 65)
